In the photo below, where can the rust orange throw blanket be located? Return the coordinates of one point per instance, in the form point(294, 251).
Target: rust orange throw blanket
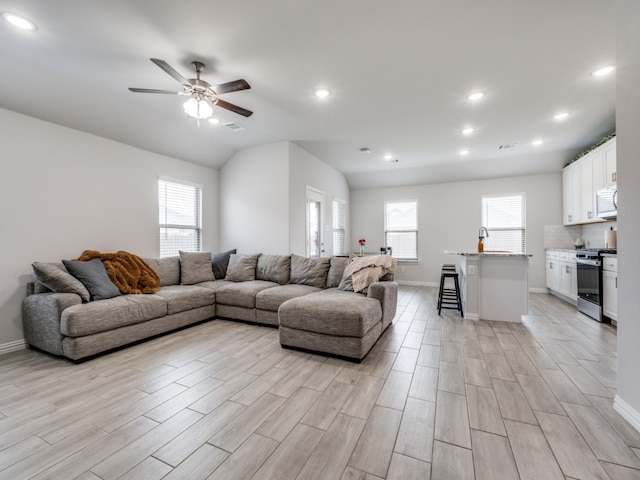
point(127, 271)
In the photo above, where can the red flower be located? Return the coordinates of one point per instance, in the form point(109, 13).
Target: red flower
point(362, 241)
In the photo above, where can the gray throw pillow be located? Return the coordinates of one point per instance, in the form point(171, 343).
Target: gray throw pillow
point(309, 271)
point(242, 268)
point(56, 278)
point(274, 268)
point(94, 277)
point(220, 262)
point(195, 267)
point(336, 270)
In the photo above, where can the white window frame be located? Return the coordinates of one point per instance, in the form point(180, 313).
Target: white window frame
point(339, 227)
point(491, 243)
point(398, 253)
point(167, 249)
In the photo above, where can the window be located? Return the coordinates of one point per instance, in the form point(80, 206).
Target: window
point(339, 227)
point(505, 219)
point(180, 208)
point(401, 228)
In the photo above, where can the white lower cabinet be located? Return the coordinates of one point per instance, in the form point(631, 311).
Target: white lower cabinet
point(553, 270)
point(610, 288)
point(562, 275)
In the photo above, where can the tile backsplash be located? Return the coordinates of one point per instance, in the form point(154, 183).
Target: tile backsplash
point(561, 236)
point(564, 237)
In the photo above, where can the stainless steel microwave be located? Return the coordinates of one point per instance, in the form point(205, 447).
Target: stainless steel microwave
point(607, 202)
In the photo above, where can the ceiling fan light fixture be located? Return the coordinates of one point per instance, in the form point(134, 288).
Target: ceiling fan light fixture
point(322, 93)
point(19, 21)
point(199, 109)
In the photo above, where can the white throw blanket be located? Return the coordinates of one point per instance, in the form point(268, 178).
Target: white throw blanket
point(366, 270)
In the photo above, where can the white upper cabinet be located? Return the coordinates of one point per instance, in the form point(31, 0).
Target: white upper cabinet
point(582, 179)
point(610, 166)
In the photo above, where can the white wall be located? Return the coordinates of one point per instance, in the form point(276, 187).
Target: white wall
point(254, 200)
point(628, 144)
point(308, 170)
point(449, 217)
point(64, 191)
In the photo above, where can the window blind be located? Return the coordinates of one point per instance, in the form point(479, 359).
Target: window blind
point(401, 228)
point(180, 217)
point(505, 219)
point(339, 227)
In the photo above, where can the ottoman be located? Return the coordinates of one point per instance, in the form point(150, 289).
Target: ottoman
point(334, 322)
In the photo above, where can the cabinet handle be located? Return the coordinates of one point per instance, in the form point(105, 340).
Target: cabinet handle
point(550, 266)
point(616, 282)
point(567, 269)
point(570, 218)
point(614, 176)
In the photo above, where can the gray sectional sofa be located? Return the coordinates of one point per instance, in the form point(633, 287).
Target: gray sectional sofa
point(300, 295)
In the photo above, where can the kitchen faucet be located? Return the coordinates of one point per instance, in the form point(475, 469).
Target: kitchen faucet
point(480, 235)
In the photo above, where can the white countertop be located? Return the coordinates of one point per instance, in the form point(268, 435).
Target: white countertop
point(489, 253)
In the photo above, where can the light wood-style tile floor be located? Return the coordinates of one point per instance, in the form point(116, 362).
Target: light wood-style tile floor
point(437, 398)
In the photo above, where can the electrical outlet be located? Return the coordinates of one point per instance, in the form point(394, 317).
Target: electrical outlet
point(471, 270)
point(401, 269)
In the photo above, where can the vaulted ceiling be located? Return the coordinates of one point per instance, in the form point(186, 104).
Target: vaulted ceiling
point(398, 72)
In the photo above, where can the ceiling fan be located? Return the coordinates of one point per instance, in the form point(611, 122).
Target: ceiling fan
point(202, 94)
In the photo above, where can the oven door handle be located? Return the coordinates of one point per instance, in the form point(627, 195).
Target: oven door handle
point(585, 261)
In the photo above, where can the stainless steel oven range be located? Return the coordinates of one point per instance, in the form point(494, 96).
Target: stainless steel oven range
point(589, 268)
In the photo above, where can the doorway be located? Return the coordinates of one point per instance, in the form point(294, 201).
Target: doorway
point(315, 222)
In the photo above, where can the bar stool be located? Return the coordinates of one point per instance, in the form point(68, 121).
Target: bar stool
point(449, 297)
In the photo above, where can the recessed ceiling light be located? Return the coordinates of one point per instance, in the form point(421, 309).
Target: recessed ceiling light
point(536, 142)
point(322, 93)
point(19, 21)
point(214, 121)
point(561, 116)
point(468, 130)
point(475, 96)
point(464, 151)
point(603, 71)
point(388, 157)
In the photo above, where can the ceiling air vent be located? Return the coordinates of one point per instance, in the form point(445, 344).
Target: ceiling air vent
point(234, 126)
point(506, 146)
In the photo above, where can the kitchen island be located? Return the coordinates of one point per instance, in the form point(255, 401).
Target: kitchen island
point(494, 285)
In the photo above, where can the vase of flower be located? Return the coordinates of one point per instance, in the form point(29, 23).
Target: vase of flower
point(362, 242)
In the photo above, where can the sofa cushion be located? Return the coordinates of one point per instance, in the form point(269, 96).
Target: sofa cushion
point(242, 294)
point(215, 285)
point(120, 311)
point(195, 267)
point(220, 262)
point(180, 298)
point(336, 270)
point(56, 278)
point(168, 269)
point(309, 271)
point(242, 268)
point(272, 298)
point(332, 312)
point(94, 277)
point(274, 268)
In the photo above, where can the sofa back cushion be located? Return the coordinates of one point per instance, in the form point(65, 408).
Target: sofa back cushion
point(274, 268)
point(168, 269)
point(220, 262)
point(242, 268)
point(94, 277)
point(336, 271)
point(309, 271)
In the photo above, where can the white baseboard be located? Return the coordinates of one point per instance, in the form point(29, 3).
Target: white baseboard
point(417, 284)
point(627, 412)
point(538, 290)
point(13, 346)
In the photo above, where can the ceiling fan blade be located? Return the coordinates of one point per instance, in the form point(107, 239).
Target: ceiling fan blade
point(152, 90)
point(234, 108)
point(228, 87)
point(170, 70)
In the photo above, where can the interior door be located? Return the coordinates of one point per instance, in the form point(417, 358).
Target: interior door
point(315, 222)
